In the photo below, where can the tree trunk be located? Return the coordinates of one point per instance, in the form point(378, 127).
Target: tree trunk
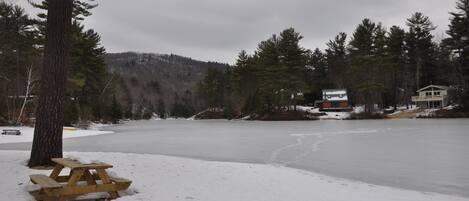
point(47, 141)
point(417, 74)
point(29, 88)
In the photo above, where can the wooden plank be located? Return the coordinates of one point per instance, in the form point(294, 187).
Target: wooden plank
point(83, 190)
point(75, 164)
point(89, 177)
point(42, 196)
point(120, 180)
point(45, 181)
point(107, 180)
point(67, 162)
point(56, 172)
point(75, 176)
point(64, 179)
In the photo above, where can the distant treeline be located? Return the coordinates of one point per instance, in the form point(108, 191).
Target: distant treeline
point(377, 65)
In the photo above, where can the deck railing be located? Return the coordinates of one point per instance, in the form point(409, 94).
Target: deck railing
point(428, 98)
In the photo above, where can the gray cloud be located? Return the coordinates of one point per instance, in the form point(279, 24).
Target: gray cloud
point(217, 30)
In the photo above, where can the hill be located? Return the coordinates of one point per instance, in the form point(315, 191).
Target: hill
point(148, 82)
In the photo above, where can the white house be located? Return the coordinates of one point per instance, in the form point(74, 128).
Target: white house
point(432, 96)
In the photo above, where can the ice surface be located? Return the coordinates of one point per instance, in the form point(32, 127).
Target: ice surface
point(423, 155)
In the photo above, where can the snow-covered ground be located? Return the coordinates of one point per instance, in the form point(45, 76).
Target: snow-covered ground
point(328, 115)
point(426, 155)
point(27, 133)
point(166, 178)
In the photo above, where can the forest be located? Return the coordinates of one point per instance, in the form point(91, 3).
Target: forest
point(380, 67)
point(89, 88)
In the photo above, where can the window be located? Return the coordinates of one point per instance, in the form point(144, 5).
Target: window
point(428, 93)
point(437, 93)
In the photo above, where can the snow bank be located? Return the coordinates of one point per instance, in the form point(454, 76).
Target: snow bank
point(327, 116)
point(27, 133)
point(177, 179)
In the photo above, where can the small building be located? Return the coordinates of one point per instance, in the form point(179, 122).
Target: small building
point(432, 96)
point(334, 100)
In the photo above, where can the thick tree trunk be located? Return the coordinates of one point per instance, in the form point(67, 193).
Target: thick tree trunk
point(47, 141)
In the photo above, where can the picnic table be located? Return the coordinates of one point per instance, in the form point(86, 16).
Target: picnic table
point(83, 179)
point(11, 132)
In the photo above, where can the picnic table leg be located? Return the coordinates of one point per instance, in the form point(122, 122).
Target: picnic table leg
point(75, 176)
point(56, 172)
point(106, 180)
point(89, 178)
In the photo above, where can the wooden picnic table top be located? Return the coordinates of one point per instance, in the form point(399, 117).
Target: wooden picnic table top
point(72, 164)
point(61, 187)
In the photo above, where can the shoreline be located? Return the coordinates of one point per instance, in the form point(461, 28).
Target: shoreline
point(174, 178)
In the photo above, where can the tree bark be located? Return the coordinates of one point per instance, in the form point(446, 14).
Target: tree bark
point(47, 141)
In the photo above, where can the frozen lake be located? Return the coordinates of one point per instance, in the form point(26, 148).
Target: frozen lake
point(422, 155)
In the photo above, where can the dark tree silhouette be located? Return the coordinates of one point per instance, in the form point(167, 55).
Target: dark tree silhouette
point(47, 141)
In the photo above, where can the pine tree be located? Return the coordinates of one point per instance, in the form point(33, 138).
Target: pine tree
point(212, 88)
point(317, 75)
point(337, 60)
point(267, 61)
point(244, 82)
point(399, 86)
point(366, 64)
point(87, 75)
point(47, 142)
point(420, 49)
point(293, 60)
point(459, 43)
point(362, 42)
point(18, 54)
point(116, 112)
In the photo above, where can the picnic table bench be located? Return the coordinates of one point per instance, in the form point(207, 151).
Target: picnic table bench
point(11, 132)
point(83, 179)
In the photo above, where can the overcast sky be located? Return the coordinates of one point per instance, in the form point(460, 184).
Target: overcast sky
point(217, 30)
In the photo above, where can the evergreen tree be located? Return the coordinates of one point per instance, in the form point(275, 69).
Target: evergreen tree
point(47, 142)
point(87, 75)
point(366, 65)
point(18, 54)
point(269, 74)
point(362, 42)
point(337, 60)
point(211, 89)
point(116, 112)
point(420, 49)
point(399, 87)
point(244, 82)
point(317, 76)
point(293, 60)
point(459, 43)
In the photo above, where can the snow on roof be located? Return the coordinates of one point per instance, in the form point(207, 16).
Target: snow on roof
point(334, 91)
point(335, 94)
point(434, 86)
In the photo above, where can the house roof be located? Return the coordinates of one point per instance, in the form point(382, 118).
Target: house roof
point(334, 90)
point(335, 94)
point(434, 86)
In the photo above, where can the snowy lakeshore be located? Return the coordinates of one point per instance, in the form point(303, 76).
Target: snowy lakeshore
point(166, 178)
point(27, 134)
point(244, 160)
